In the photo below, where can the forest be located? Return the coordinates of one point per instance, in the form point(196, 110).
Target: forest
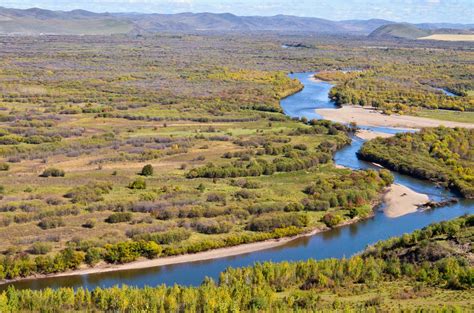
point(396, 88)
point(428, 269)
point(442, 155)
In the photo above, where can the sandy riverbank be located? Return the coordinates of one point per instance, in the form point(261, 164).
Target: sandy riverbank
point(314, 79)
point(185, 258)
point(371, 117)
point(369, 135)
point(401, 200)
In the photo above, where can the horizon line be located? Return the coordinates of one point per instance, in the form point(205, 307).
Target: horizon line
point(222, 13)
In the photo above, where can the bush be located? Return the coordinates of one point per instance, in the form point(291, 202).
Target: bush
point(129, 251)
point(41, 248)
point(53, 172)
point(119, 217)
point(169, 237)
point(147, 170)
point(316, 205)
point(4, 166)
point(89, 224)
point(93, 256)
point(273, 221)
point(51, 222)
point(91, 192)
point(216, 197)
point(212, 227)
point(138, 183)
point(331, 220)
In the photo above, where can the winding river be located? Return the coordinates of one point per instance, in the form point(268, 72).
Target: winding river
point(336, 243)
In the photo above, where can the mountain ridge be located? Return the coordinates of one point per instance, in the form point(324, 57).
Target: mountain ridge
point(36, 21)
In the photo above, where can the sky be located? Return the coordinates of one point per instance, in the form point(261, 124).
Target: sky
point(415, 11)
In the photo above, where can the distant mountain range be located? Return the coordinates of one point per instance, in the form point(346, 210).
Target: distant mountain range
point(38, 21)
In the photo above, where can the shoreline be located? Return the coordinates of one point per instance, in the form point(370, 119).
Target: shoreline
point(372, 117)
point(401, 200)
point(366, 134)
point(189, 258)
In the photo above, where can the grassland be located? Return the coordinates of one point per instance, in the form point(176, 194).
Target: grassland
point(445, 115)
point(81, 116)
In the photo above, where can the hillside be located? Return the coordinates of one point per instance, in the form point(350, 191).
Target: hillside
point(38, 21)
point(446, 32)
point(405, 31)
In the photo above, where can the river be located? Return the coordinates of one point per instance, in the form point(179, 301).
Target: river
point(336, 243)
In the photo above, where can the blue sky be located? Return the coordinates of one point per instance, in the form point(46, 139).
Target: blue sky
point(454, 11)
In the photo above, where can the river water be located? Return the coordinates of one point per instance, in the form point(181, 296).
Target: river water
point(336, 243)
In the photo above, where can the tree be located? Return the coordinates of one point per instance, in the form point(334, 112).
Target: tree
point(147, 170)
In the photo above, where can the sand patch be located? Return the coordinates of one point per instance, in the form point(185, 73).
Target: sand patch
point(401, 200)
point(369, 134)
point(371, 117)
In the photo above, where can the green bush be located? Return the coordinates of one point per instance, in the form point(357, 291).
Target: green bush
point(51, 222)
point(91, 192)
point(138, 183)
point(119, 217)
point(147, 170)
point(53, 172)
point(4, 166)
point(41, 248)
point(332, 220)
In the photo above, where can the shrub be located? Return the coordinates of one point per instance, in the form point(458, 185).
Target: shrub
point(119, 217)
point(169, 237)
point(331, 220)
point(216, 197)
point(4, 166)
point(147, 170)
point(316, 205)
point(41, 248)
point(53, 172)
point(244, 194)
point(93, 256)
point(89, 224)
point(138, 183)
point(212, 227)
point(51, 222)
point(91, 192)
point(273, 221)
point(129, 251)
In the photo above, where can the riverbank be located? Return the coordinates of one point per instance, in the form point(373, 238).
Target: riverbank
point(369, 134)
point(372, 117)
point(185, 258)
point(401, 200)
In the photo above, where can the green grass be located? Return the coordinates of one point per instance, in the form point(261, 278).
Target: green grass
point(445, 115)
